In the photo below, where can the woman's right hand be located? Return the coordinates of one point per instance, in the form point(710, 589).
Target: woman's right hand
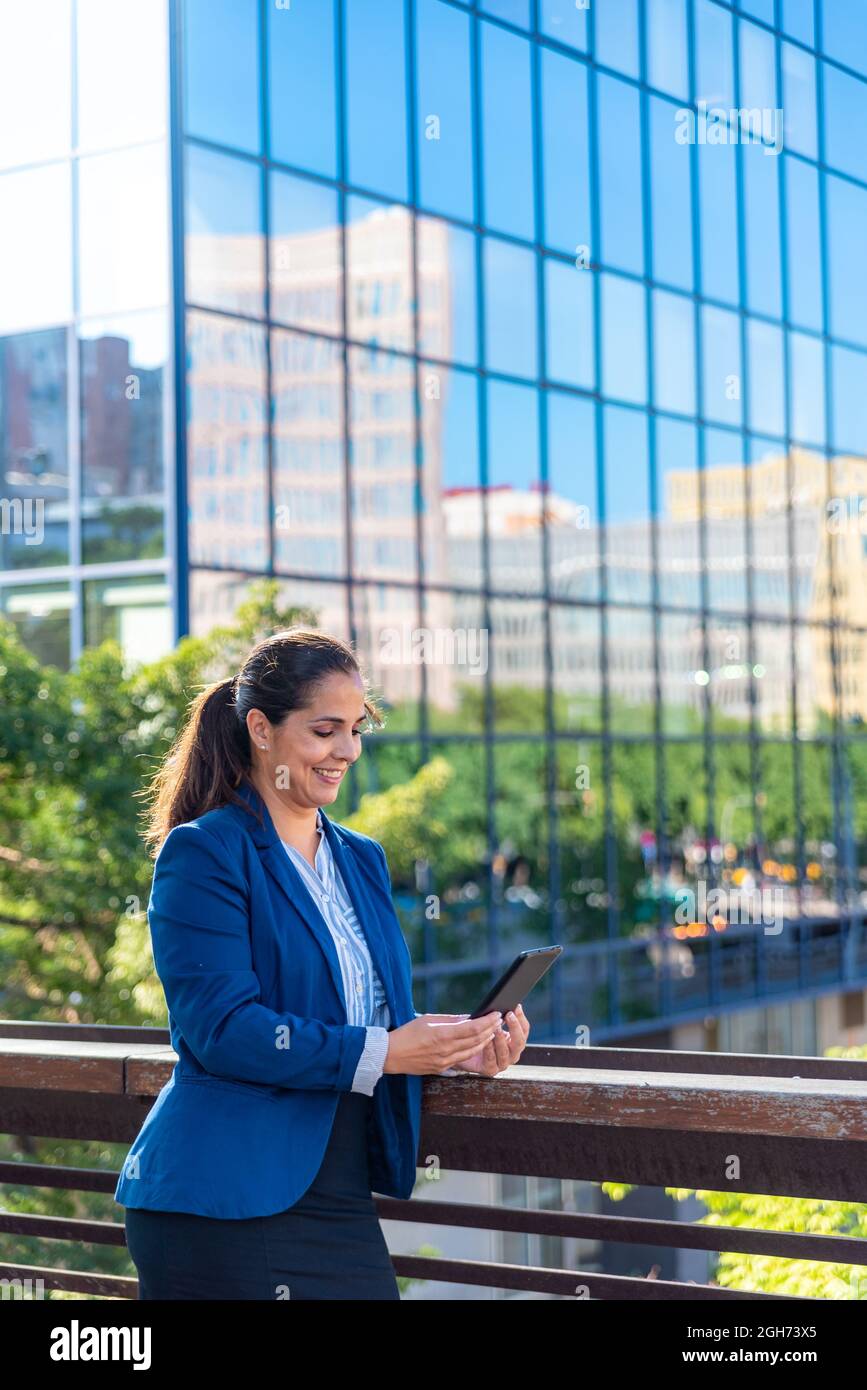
point(435, 1042)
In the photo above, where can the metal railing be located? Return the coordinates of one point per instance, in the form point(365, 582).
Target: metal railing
point(636, 984)
point(653, 1118)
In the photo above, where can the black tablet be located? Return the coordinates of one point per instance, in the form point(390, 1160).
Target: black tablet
point(513, 987)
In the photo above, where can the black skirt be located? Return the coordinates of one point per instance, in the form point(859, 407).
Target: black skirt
point(328, 1245)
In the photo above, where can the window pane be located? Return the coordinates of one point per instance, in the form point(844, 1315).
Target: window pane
point(379, 267)
point(40, 616)
point(807, 366)
point(305, 261)
point(679, 543)
point(451, 514)
point(445, 126)
point(762, 9)
point(35, 82)
point(515, 11)
point(34, 449)
point(507, 132)
point(627, 505)
point(769, 532)
point(617, 35)
point(565, 21)
point(122, 71)
point(849, 374)
point(136, 613)
point(797, 19)
point(847, 237)
point(123, 237)
point(566, 164)
point(447, 291)
point(226, 449)
point(799, 100)
point(762, 217)
point(624, 358)
point(569, 324)
point(670, 198)
point(758, 86)
point(36, 265)
point(619, 125)
point(844, 32)
point(722, 369)
point(221, 71)
point(804, 268)
point(376, 95)
point(573, 529)
point(123, 431)
point(719, 224)
point(225, 253)
point(510, 308)
point(714, 63)
point(576, 675)
point(513, 498)
point(307, 415)
point(845, 109)
point(725, 553)
point(673, 353)
point(301, 100)
point(765, 352)
point(382, 412)
point(667, 66)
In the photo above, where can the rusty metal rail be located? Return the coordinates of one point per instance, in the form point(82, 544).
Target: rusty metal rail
point(797, 1124)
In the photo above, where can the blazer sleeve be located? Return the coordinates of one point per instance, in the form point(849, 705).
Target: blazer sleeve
point(199, 922)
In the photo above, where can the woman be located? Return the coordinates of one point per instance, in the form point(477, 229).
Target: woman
point(297, 1091)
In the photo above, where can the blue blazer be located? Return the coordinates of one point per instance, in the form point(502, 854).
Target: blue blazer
point(258, 1017)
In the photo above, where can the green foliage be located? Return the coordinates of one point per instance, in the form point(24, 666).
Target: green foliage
point(78, 747)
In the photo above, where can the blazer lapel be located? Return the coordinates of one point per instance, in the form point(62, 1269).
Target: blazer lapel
point(279, 865)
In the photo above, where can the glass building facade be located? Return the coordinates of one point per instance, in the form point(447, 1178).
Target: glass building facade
point(86, 426)
point(525, 343)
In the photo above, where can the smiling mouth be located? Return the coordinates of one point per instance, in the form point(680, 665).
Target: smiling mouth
point(332, 775)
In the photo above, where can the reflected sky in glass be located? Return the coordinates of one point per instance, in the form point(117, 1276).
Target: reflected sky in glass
point(225, 254)
point(507, 133)
point(376, 96)
point(221, 48)
point(122, 50)
point(445, 129)
point(35, 97)
point(302, 112)
point(123, 248)
point(36, 265)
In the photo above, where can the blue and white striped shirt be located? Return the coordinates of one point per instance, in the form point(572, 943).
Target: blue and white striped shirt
point(366, 1004)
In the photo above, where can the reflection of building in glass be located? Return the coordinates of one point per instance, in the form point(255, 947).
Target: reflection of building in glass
point(85, 402)
point(395, 389)
point(825, 558)
point(33, 426)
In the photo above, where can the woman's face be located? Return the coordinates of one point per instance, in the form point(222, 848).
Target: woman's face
point(306, 757)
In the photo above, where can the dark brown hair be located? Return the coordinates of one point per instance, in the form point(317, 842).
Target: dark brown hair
point(211, 755)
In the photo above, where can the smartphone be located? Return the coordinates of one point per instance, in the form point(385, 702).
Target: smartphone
point(513, 987)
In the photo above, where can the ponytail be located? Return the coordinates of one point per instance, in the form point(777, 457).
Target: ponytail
point(206, 763)
point(212, 755)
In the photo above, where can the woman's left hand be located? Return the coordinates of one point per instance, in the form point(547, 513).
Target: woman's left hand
point(503, 1050)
